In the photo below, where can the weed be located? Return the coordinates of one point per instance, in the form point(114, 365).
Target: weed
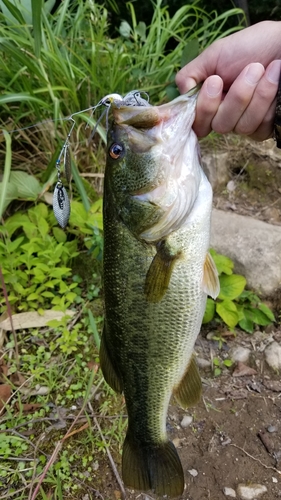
point(235, 305)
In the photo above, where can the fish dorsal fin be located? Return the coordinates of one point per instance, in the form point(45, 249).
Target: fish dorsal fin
point(159, 273)
point(211, 284)
point(108, 370)
point(189, 390)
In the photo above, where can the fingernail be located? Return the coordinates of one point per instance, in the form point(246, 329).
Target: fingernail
point(214, 86)
point(273, 71)
point(254, 73)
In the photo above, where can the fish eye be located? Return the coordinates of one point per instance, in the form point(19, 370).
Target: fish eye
point(115, 151)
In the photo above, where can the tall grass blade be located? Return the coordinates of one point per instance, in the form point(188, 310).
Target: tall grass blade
point(7, 170)
point(79, 184)
point(11, 12)
point(94, 328)
point(37, 6)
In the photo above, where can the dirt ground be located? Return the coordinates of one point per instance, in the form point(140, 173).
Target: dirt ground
point(235, 433)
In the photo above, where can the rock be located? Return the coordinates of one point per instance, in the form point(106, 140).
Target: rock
point(176, 442)
point(203, 363)
point(231, 186)
point(251, 492)
point(273, 355)
point(229, 492)
point(242, 370)
point(272, 428)
point(193, 472)
point(186, 421)
point(240, 353)
point(253, 245)
point(215, 166)
point(272, 385)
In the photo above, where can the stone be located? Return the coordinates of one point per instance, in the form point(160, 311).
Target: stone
point(186, 421)
point(253, 245)
point(203, 363)
point(240, 353)
point(193, 472)
point(229, 492)
point(272, 428)
point(273, 355)
point(242, 370)
point(251, 492)
point(215, 166)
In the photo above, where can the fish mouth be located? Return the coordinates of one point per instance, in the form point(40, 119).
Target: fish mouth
point(148, 117)
point(166, 130)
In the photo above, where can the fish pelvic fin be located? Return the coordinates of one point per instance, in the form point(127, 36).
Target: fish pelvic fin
point(211, 284)
point(109, 372)
point(160, 271)
point(155, 467)
point(189, 390)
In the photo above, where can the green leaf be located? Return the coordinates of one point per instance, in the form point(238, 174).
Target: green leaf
point(13, 245)
point(228, 362)
point(223, 263)
point(125, 29)
point(47, 294)
point(141, 30)
point(247, 325)
point(190, 51)
point(209, 311)
point(32, 296)
point(228, 312)
point(231, 286)
point(43, 226)
point(59, 234)
point(257, 316)
point(172, 92)
point(14, 222)
point(28, 186)
point(266, 311)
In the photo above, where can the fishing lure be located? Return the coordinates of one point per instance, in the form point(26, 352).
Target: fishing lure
point(61, 203)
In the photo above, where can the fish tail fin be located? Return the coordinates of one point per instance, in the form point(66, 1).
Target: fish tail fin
point(155, 467)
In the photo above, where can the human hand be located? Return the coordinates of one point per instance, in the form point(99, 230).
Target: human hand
point(241, 74)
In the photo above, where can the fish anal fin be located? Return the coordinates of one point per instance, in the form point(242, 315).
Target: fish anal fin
point(108, 370)
point(189, 390)
point(155, 467)
point(211, 284)
point(160, 272)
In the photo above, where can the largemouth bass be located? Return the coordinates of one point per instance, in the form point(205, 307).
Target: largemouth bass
point(157, 274)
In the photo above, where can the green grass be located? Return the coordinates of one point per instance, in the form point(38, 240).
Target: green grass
point(53, 66)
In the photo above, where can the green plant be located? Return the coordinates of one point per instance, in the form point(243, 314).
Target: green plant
point(218, 365)
point(34, 262)
point(235, 305)
point(36, 256)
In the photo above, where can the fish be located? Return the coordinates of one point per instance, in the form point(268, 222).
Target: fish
point(157, 272)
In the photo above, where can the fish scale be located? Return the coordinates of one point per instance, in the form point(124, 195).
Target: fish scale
point(155, 290)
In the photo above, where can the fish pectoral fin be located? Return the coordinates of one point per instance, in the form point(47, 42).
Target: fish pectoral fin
point(155, 467)
point(159, 273)
point(108, 370)
point(189, 390)
point(211, 284)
